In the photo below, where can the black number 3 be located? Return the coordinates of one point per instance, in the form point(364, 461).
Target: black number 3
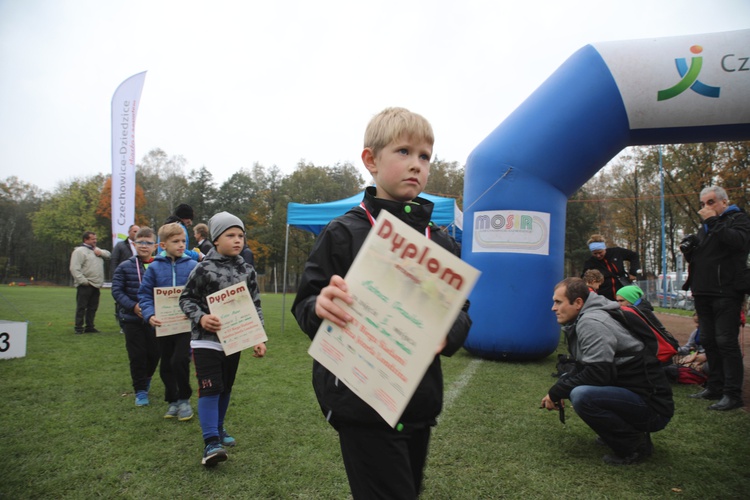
point(4, 344)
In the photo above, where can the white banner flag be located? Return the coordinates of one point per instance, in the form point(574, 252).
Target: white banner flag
point(124, 108)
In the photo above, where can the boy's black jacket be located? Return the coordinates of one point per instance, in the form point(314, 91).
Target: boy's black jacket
point(333, 253)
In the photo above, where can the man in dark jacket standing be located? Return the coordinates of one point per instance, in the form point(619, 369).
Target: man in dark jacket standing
point(717, 255)
point(123, 250)
point(618, 387)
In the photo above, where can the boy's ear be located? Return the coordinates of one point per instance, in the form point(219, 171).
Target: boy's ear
point(368, 158)
point(162, 245)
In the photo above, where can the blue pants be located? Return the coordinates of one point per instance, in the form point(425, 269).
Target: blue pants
point(719, 322)
point(619, 416)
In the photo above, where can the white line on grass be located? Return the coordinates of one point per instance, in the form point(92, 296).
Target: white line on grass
point(456, 387)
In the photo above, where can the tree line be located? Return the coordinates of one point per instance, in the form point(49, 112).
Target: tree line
point(623, 201)
point(39, 229)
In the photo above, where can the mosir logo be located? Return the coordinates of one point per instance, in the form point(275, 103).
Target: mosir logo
point(511, 231)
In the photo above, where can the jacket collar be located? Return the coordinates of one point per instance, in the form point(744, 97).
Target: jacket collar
point(416, 213)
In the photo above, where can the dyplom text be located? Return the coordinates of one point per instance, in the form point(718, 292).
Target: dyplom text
point(420, 254)
point(168, 292)
point(223, 297)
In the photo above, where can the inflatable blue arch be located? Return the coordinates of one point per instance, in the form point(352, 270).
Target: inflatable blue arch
point(603, 98)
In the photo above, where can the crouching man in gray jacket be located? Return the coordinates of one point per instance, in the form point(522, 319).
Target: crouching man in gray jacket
point(618, 387)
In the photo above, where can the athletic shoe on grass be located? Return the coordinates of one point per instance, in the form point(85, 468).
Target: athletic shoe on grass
point(184, 411)
point(171, 411)
point(141, 398)
point(213, 454)
point(226, 439)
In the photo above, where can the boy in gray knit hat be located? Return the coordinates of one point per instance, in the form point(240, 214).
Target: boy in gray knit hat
point(215, 370)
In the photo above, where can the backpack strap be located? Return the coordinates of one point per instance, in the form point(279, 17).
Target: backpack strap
point(649, 341)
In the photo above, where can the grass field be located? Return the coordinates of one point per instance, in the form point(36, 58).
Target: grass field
point(69, 428)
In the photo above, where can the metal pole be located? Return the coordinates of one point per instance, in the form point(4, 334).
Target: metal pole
point(283, 285)
point(663, 237)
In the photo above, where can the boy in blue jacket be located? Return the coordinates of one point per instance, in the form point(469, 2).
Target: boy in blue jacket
point(140, 340)
point(170, 269)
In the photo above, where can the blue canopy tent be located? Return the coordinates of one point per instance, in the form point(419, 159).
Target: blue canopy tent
point(314, 218)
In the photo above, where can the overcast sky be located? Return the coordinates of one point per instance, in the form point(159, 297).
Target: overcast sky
point(230, 83)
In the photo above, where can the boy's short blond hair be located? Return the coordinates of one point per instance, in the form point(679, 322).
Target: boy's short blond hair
point(593, 276)
point(170, 230)
point(393, 123)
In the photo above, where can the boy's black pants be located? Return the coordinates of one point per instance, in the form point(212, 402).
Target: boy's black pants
point(382, 463)
point(174, 369)
point(143, 353)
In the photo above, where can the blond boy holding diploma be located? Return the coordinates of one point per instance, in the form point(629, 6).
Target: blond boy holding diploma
point(170, 269)
point(380, 461)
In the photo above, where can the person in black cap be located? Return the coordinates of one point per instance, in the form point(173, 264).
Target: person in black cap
point(184, 215)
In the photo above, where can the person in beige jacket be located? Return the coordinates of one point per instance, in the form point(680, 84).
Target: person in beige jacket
point(87, 268)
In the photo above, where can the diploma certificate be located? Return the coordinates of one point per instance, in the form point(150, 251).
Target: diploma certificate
point(407, 293)
point(240, 324)
point(167, 310)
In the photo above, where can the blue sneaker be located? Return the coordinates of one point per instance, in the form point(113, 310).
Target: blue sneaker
point(213, 454)
point(141, 398)
point(226, 439)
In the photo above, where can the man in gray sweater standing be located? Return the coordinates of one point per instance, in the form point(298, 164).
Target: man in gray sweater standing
point(87, 268)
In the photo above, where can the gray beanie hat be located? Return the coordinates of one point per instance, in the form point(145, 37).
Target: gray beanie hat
point(221, 222)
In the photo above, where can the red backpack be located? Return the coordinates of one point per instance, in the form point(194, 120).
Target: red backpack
point(661, 343)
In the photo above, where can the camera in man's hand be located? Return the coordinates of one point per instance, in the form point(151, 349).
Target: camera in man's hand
point(688, 243)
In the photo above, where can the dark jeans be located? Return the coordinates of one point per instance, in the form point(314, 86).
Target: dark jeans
point(382, 463)
point(719, 323)
point(174, 369)
point(143, 353)
point(619, 416)
point(87, 302)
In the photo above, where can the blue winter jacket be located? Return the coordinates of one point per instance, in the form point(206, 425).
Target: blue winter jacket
point(125, 284)
point(163, 271)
